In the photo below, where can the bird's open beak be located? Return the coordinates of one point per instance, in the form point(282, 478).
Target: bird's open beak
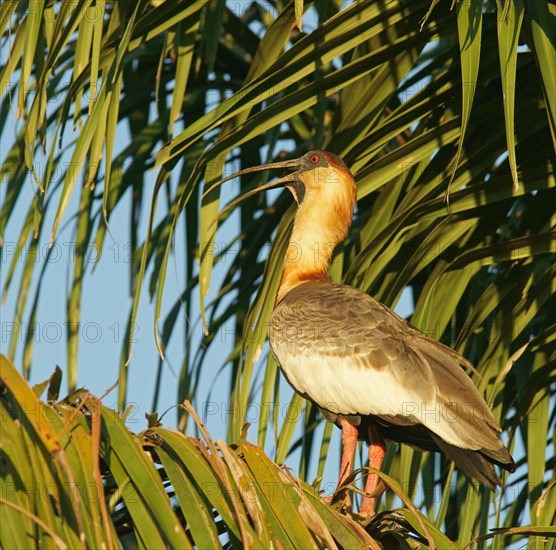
point(294, 164)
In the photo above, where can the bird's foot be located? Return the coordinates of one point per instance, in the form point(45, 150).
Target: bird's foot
point(367, 509)
point(373, 491)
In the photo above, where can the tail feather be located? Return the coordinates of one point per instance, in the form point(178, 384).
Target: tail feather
point(475, 464)
point(502, 457)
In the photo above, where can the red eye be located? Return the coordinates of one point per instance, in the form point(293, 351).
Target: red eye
point(314, 159)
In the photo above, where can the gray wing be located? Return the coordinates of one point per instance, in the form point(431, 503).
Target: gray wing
point(354, 356)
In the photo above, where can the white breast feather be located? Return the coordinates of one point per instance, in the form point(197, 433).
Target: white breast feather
point(344, 388)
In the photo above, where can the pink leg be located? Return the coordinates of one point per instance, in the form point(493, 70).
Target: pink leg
point(349, 442)
point(377, 450)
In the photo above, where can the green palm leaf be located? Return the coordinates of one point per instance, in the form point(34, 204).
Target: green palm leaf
point(419, 99)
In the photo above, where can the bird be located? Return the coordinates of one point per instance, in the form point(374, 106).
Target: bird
point(368, 370)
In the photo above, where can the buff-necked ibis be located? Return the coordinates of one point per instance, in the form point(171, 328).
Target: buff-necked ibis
point(366, 368)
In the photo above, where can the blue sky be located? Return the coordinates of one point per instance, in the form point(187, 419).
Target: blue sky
point(105, 309)
point(106, 302)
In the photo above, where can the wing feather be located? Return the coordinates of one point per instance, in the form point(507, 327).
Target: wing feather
point(352, 355)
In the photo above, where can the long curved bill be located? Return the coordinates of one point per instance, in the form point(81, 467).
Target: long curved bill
point(271, 185)
point(295, 163)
